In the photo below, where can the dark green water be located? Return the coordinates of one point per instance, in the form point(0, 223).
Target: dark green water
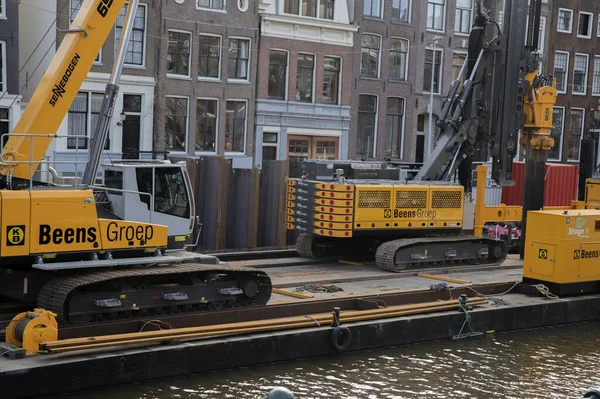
point(557, 363)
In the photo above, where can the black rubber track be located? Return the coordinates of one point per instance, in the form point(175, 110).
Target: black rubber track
point(56, 294)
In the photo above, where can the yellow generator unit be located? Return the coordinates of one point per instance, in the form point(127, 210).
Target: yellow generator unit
point(404, 225)
point(562, 250)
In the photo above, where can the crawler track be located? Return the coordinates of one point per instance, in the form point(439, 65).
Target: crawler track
point(397, 255)
point(132, 292)
point(435, 252)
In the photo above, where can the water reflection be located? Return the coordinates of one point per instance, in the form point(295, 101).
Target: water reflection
point(554, 363)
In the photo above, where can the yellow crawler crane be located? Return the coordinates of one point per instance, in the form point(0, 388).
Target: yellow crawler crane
point(90, 253)
point(406, 226)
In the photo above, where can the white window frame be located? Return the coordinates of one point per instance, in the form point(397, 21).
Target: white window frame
point(457, 33)
point(314, 76)
point(585, 81)
point(445, 5)
point(4, 77)
point(282, 10)
point(580, 133)
point(216, 126)
point(562, 134)
point(407, 58)
point(187, 124)
point(269, 144)
point(568, 53)
point(144, 49)
point(208, 78)
point(243, 152)
point(440, 69)
point(381, 9)
point(570, 23)
point(590, 28)
point(223, 10)
point(176, 75)
point(236, 80)
point(340, 77)
point(596, 57)
point(376, 123)
point(378, 57)
point(410, 3)
point(89, 126)
point(3, 13)
point(598, 28)
point(287, 73)
point(403, 130)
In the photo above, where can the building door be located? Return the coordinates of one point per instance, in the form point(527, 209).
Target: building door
point(301, 148)
point(131, 137)
point(130, 142)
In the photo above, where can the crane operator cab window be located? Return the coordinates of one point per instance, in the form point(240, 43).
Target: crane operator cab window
point(170, 194)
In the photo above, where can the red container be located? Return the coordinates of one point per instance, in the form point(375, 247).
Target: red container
point(560, 186)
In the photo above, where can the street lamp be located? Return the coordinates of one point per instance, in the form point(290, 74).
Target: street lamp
point(430, 129)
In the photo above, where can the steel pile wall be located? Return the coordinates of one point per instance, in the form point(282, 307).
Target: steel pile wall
point(238, 208)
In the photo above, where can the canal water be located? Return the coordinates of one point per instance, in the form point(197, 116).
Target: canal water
point(560, 362)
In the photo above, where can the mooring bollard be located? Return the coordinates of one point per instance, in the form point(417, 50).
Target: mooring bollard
point(335, 320)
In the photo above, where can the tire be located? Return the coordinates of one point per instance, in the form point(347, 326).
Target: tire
point(341, 338)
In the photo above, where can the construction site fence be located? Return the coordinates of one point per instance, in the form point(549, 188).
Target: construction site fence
point(238, 208)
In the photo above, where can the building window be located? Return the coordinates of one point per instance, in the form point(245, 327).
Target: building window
point(239, 57)
point(75, 7)
point(331, 80)
point(135, 49)
point(580, 72)
point(308, 8)
point(278, 61)
point(372, 8)
point(575, 133)
point(209, 65)
point(435, 14)
point(561, 72)
point(176, 123)
point(326, 9)
point(596, 81)
point(586, 21)
point(464, 10)
point(270, 140)
point(212, 4)
point(83, 117)
point(371, 44)
point(304, 77)
point(178, 57)
point(398, 64)
point(2, 8)
point(558, 122)
point(395, 127)
point(458, 60)
point(565, 20)
point(4, 125)
point(235, 126)
point(429, 65)
point(206, 124)
point(401, 11)
point(3, 81)
point(367, 119)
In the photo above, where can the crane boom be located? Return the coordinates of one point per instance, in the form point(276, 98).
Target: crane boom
point(59, 86)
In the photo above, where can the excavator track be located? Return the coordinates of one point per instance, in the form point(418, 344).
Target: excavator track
point(432, 252)
point(146, 291)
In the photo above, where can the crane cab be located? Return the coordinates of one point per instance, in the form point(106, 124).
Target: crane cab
point(149, 191)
